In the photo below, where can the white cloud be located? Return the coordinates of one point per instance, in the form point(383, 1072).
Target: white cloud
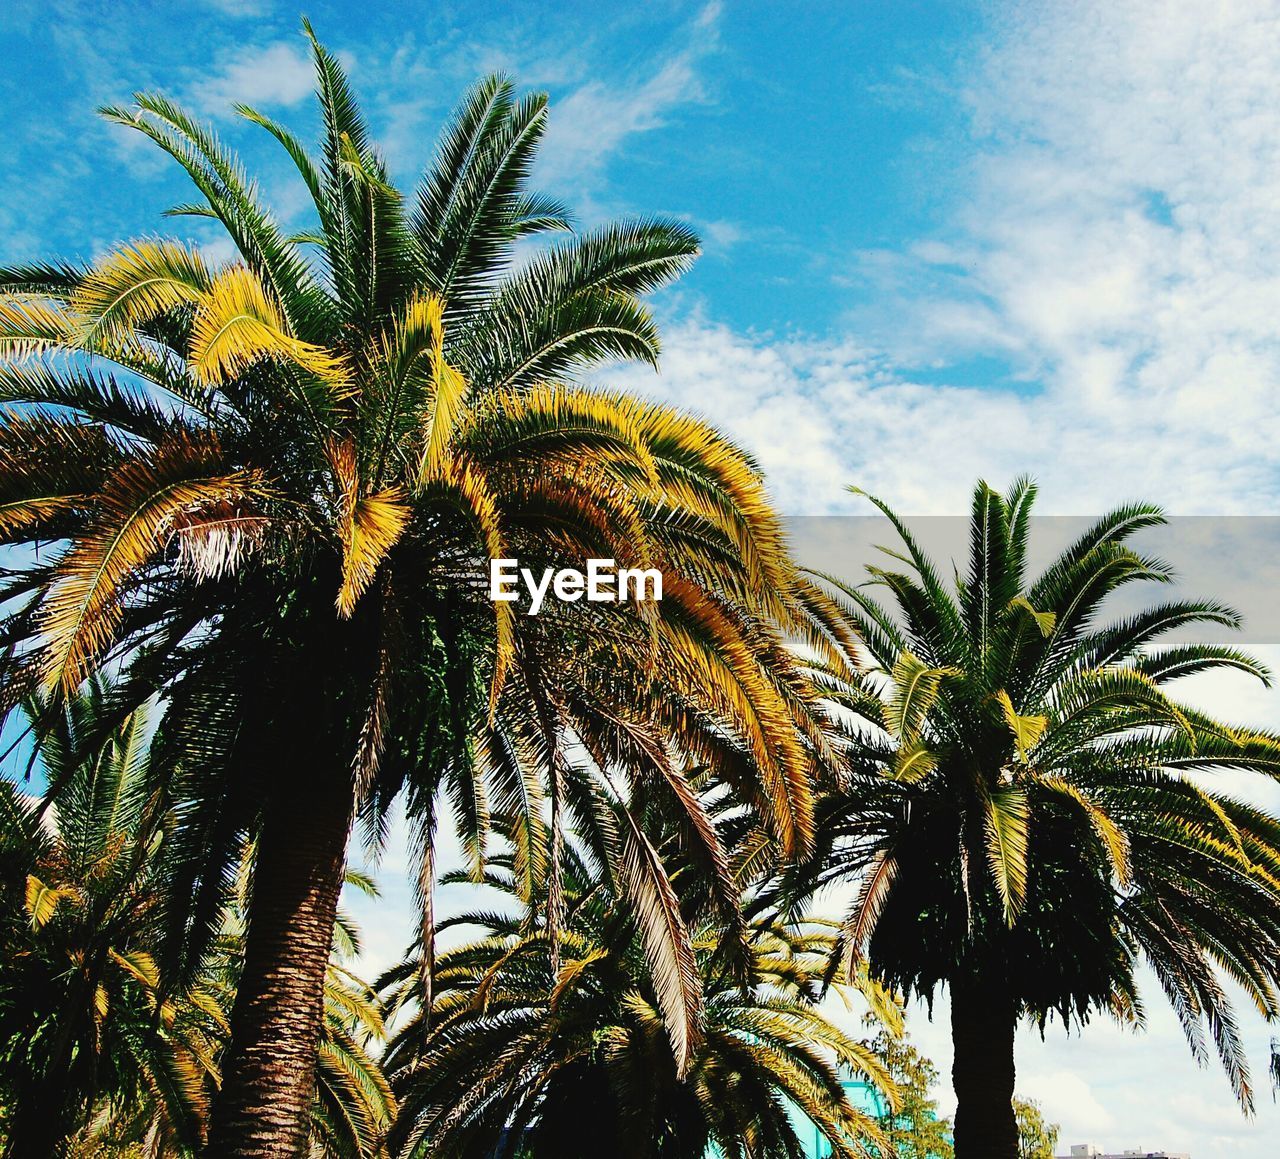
point(1119, 244)
point(1121, 238)
point(590, 117)
point(240, 8)
point(1063, 1095)
point(720, 236)
point(593, 120)
point(821, 414)
point(271, 75)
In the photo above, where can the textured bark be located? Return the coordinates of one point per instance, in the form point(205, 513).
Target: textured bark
point(269, 1068)
point(983, 1021)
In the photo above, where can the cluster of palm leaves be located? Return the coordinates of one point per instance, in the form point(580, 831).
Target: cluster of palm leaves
point(521, 1039)
point(102, 1055)
point(261, 498)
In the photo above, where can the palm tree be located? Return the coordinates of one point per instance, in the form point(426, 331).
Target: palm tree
point(1026, 810)
point(85, 1023)
point(272, 490)
point(97, 1061)
point(516, 1060)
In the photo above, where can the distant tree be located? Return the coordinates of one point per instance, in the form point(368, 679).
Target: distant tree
point(1036, 1138)
point(916, 1131)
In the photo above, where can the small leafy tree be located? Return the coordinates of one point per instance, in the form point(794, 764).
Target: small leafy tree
point(1036, 1138)
point(916, 1130)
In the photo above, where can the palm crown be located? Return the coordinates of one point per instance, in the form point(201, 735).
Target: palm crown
point(85, 1023)
point(1025, 810)
point(508, 1055)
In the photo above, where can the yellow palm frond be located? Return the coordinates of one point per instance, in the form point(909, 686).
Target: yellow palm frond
point(135, 284)
point(588, 509)
point(571, 971)
point(238, 324)
point(1044, 621)
point(447, 401)
point(1008, 817)
point(376, 523)
point(139, 965)
point(705, 651)
point(27, 514)
point(208, 1004)
point(690, 443)
point(916, 687)
point(42, 900)
point(565, 425)
point(82, 610)
point(1027, 730)
point(29, 326)
point(913, 761)
point(368, 525)
point(414, 351)
point(1110, 834)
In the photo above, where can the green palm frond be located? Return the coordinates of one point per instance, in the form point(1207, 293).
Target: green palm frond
point(513, 1053)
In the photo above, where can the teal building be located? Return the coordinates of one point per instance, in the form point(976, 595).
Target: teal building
point(862, 1095)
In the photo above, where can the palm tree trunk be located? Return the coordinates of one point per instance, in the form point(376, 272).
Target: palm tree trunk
point(269, 1069)
point(983, 1022)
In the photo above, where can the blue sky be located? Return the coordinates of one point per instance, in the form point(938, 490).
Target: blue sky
point(724, 118)
point(942, 241)
point(980, 238)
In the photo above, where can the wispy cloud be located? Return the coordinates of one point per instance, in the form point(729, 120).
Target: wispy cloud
point(1119, 240)
point(590, 124)
point(823, 413)
point(240, 8)
point(279, 74)
point(721, 236)
point(597, 104)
